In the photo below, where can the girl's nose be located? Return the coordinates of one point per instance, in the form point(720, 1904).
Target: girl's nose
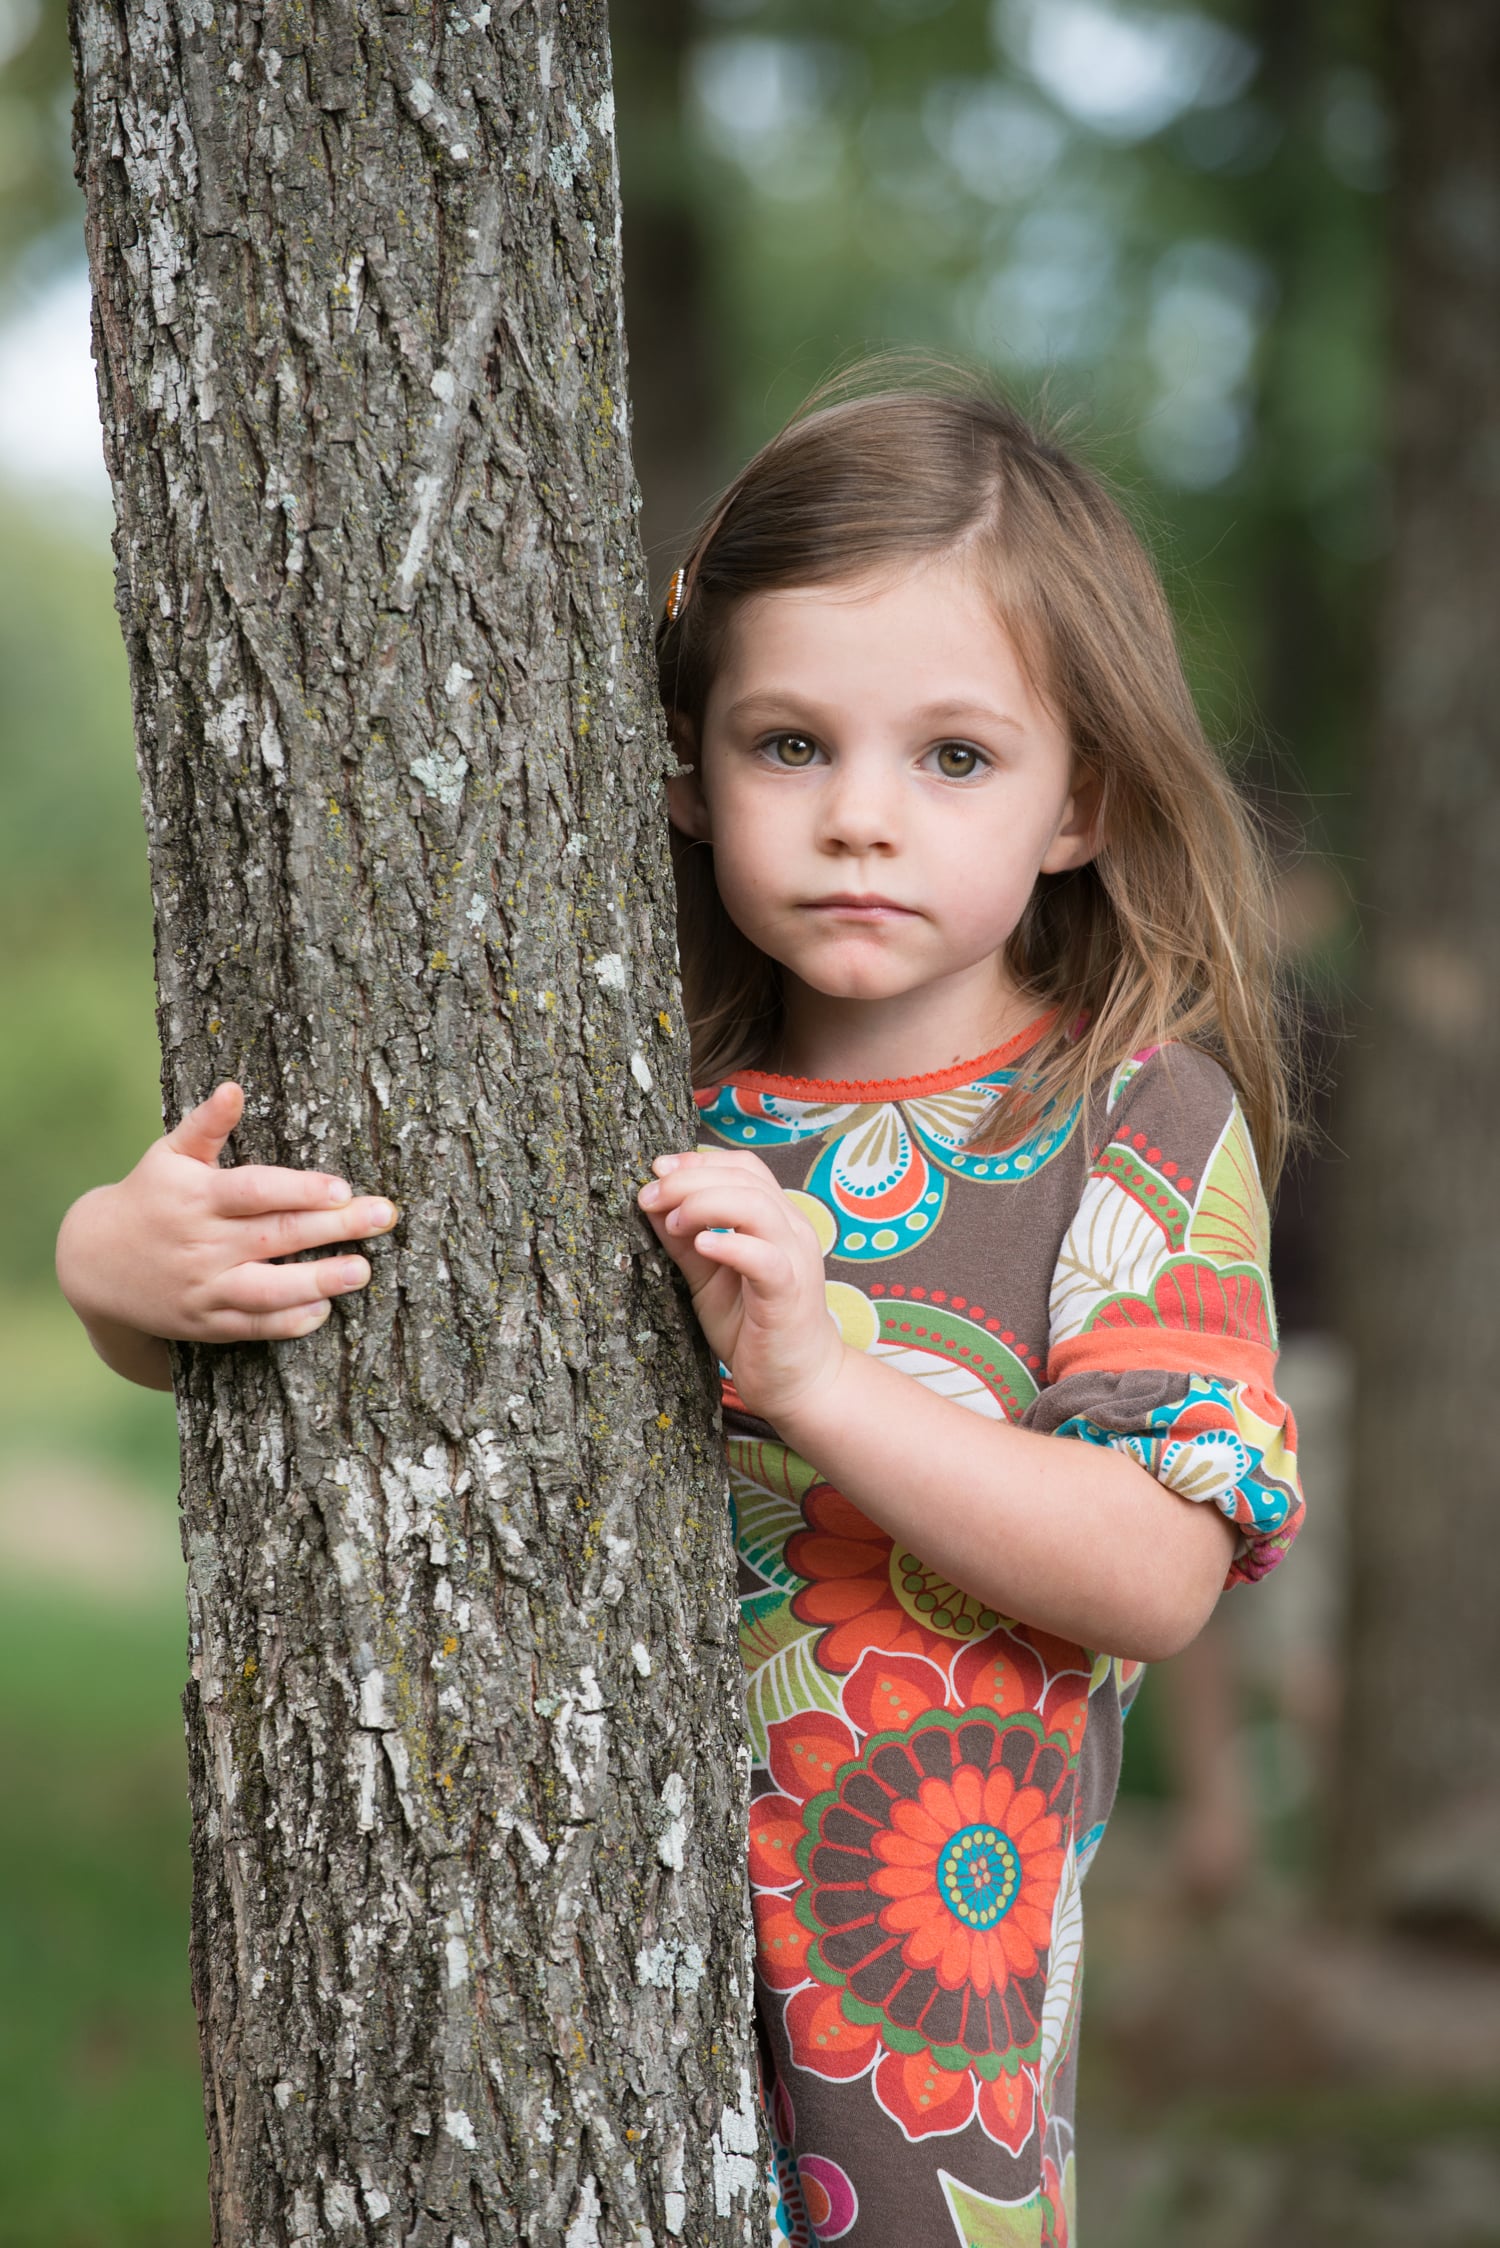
point(859, 809)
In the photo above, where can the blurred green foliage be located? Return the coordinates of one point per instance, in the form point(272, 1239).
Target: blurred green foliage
point(78, 1093)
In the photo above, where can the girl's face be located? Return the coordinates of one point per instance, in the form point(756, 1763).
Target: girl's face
point(882, 786)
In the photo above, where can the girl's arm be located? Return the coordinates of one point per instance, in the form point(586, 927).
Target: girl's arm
point(1074, 1538)
point(180, 1250)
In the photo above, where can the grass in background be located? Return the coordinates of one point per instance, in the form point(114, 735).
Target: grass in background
point(101, 2119)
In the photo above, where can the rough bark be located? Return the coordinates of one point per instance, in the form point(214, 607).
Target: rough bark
point(469, 1942)
point(1421, 1818)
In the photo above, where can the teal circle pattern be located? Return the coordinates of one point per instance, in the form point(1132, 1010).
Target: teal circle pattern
point(979, 1875)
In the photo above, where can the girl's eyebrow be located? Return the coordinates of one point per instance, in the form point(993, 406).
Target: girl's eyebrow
point(789, 703)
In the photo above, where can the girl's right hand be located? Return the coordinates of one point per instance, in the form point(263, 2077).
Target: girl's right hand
point(181, 1249)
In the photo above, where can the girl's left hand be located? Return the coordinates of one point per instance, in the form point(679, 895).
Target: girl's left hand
point(757, 1287)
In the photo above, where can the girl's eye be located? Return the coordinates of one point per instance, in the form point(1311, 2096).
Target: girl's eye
point(794, 750)
point(957, 761)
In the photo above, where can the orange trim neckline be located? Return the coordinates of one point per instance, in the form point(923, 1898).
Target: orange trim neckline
point(886, 1088)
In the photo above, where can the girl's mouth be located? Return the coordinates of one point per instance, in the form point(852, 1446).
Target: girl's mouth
point(857, 905)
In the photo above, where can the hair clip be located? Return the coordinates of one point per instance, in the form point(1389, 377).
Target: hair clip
point(676, 590)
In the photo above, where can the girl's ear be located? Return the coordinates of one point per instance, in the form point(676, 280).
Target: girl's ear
point(686, 805)
point(1078, 835)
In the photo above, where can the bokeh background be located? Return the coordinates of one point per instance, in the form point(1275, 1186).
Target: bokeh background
point(1171, 228)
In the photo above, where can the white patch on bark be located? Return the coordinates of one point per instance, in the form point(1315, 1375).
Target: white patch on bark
point(640, 1655)
point(457, 1953)
point(443, 386)
point(640, 1070)
point(270, 745)
point(420, 96)
point(583, 2232)
point(364, 1756)
point(427, 490)
point(377, 2204)
point(544, 58)
point(736, 2151)
point(675, 1833)
point(281, 2093)
point(228, 724)
point(352, 1477)
point(340, 2207)
point(372, 1710)
point(536, 1848)
point(442, 776)
point(674, 2181)
point(670, 1965)
point(457, 2125)
point(610, 970)
point(413, 1493)
point(458, 674)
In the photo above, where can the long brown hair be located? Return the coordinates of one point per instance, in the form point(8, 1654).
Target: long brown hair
point(1166, 933)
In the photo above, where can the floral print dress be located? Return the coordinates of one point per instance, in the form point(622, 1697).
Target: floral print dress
point(930, 1778)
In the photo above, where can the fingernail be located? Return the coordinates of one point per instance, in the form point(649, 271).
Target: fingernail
point(339, 1192)
point(354, 1272)
point(316, 1317)
point(649, 1197)
point(666, 1163)
point(383, 1215)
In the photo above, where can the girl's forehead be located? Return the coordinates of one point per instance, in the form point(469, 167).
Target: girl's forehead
point(936, 615)
point(936, 600)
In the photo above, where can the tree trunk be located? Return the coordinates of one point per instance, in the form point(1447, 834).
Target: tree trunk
point(1421, 1819)
point(469, 1942)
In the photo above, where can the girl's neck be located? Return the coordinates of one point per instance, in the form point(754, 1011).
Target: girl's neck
point(860, 1041)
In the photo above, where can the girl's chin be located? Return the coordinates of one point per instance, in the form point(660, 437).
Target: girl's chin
point(853, 988)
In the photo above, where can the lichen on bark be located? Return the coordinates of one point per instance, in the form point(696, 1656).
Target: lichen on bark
point(469, 1941)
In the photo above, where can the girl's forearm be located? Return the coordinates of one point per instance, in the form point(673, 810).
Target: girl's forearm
point(126, 1350)
point(144, 1359)
point(1074, 1538)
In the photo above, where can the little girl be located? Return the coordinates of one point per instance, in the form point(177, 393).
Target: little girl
point(974, 949)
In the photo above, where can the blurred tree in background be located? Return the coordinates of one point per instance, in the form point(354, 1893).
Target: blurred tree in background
point(1421, 1813)
point(1165, 224)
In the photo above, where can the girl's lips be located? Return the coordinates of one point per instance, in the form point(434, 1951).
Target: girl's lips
point(845, 901)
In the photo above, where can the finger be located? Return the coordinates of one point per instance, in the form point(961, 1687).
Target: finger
point(735, 1158)
point(666, 1192)
point(289, 1233)
point(767, 1269)
point(695, 1271)
point(746, 1208)
point(251, 1190)
point(266, 1326)
point(202, 1132)
point(254, 1288)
